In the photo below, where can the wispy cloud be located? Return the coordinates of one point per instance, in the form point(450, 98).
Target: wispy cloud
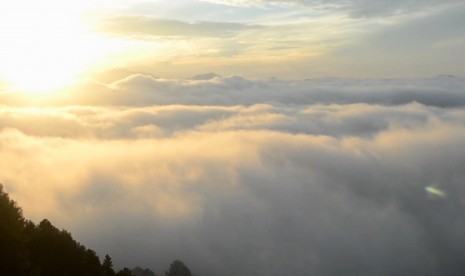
point(143, 26)
point(355, 8)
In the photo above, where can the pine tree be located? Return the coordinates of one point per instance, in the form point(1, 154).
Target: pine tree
point(107, 266)
point(178, 268)
point(13, 252)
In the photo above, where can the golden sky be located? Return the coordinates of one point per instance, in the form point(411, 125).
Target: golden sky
point(52, 44)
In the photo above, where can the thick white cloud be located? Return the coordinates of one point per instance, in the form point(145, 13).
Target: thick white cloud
point(250, 177)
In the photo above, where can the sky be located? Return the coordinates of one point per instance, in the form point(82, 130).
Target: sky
point(259, 39)
point(242, 137)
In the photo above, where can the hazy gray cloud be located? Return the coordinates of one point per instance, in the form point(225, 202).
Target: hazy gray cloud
point(426, 39)
point(368, 8)
point(250, 177)
point(359, 120)
point(355, 8)
point(143, 90)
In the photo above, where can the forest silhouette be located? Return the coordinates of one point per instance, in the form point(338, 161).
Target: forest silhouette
point(29, 249)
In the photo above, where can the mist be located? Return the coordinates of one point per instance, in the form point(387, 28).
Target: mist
point(240, 176)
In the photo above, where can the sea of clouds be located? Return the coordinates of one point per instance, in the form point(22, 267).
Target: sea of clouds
point(236, 176)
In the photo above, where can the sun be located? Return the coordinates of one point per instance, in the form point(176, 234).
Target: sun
point(44, 45)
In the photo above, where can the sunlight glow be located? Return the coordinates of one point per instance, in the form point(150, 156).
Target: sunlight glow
point(45, 46)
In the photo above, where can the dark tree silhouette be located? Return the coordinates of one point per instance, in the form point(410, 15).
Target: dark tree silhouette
point(178, 268)
point(92, 263)
point(27, 249)
point(125, 272)
point(13, 252)
point(138, 271)
point(107, 266)
point(54, 252)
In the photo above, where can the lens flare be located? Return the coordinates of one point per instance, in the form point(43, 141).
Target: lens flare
point(435, 192)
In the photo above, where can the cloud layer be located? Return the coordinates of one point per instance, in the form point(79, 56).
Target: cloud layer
point(210, 89)
point(250, 177)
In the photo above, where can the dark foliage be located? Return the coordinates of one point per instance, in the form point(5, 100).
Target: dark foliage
point(69, 257)
point(40, 250)
point(124, 272)
point(27, 249)
point(137, 271)
point(178, 268)
point(107, 266)
point(13, 252)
